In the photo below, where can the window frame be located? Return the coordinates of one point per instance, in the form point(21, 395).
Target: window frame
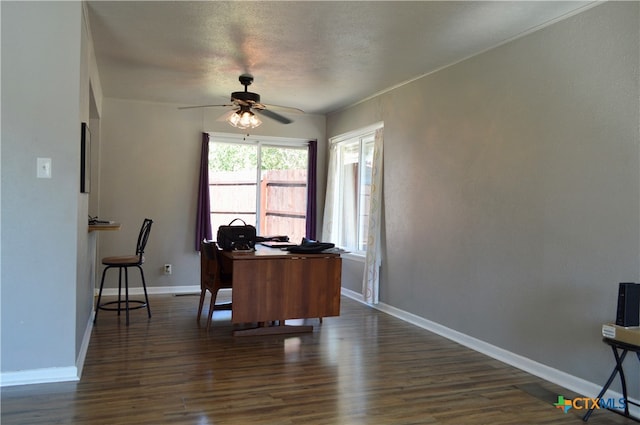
point(360, 137)
point(259, 142)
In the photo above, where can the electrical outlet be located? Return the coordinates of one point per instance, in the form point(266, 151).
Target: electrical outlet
point(167, 269)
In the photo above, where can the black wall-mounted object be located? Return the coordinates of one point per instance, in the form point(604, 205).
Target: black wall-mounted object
point(85, 158)
point(628, 313)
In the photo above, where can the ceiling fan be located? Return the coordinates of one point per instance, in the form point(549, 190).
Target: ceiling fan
point(247, 104)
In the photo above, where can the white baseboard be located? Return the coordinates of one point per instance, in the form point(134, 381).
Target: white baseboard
point(153, 290)
point(558, 377)
point(39, 376)
point(82, 355)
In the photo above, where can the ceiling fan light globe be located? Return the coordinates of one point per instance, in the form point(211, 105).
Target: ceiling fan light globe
point(254, 121)
point(234, 119)
point(244, 120)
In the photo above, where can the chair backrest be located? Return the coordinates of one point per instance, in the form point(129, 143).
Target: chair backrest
point(209, 250)
point(212, 265)
point(208, 264)
point(143, 237)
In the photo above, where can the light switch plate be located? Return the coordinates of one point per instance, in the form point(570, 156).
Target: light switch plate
point(44, 168)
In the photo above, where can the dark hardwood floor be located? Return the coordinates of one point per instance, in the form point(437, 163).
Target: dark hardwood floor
point(363, 367)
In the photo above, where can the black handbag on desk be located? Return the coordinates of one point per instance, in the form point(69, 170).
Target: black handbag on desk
point(238, 237)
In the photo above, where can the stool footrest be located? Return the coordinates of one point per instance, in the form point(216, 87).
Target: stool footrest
point(141, 304)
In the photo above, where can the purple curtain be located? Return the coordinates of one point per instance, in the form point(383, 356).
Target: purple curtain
point(203, 219)
point(312, 189)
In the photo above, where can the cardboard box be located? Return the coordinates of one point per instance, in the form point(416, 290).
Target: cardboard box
point(630, 335)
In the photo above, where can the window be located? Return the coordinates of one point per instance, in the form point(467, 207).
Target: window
point(262, 181)
point(352, 157)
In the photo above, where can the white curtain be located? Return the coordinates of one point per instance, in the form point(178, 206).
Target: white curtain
point(331, 209)
point(371, 278)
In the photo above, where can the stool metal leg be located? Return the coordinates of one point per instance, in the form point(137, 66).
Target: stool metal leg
point(95, 317)
point(144, 287)
point(126, 292)
point(127, 302)
point(119, 288)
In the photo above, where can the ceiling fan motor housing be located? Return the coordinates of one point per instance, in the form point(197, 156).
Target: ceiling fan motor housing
point(245, 96)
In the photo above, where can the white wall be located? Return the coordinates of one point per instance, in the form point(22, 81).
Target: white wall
point(150, 156)
point(523, 212)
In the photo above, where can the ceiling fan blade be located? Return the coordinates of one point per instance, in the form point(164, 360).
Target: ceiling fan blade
point(286, 109)
point(204, 106)
point(274, 116)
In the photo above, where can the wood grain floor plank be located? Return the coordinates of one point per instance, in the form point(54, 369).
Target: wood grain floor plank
point(363, 367)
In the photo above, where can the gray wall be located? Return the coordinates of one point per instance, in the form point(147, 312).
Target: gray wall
point(523, 213)
point(44, 234)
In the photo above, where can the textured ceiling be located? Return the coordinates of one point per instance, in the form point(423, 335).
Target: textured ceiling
point(316, 56)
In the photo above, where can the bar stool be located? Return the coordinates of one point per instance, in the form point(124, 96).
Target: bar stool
point(122, 263)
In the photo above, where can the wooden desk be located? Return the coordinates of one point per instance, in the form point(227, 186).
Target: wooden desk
point(272, 285)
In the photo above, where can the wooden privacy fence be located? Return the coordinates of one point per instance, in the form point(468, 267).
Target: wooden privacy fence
point(283, 201)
